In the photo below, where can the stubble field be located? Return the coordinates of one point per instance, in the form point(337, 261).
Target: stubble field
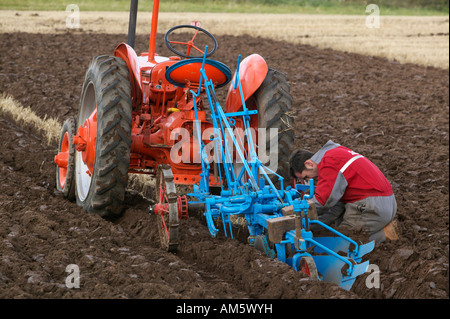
point(407, 39)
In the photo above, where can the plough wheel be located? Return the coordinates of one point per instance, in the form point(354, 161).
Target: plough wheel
point(65, 160)
point(308, 266)
point(102, 158)
point(166, 208)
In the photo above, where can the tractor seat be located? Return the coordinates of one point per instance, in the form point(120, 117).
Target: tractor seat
point(188, 72)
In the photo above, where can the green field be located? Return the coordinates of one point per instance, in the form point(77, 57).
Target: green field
point(352, 7)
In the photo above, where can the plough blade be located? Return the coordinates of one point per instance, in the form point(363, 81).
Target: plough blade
point(330, 269)
point(365, 249)
point(336, 244)
point(339, 244)
point(358, 269)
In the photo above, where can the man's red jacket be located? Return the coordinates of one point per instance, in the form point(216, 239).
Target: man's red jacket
point(346, 176)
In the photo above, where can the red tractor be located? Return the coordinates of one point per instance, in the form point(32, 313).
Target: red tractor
point(132, 107)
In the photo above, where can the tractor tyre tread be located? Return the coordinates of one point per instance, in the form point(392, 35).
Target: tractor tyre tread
point(114, 104)
point(274, 106)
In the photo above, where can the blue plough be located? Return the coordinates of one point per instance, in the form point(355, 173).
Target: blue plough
point(249, 193)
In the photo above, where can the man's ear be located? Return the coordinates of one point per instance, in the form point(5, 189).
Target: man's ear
point(309, 164)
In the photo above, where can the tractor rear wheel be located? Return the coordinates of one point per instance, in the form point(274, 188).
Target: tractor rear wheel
point(65, 169)
point(274, 104)
point(102, 180)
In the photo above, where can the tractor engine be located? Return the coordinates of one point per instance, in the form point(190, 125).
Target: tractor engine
point(163, 126)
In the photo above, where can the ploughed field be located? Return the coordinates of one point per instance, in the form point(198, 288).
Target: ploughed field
point(395, 114)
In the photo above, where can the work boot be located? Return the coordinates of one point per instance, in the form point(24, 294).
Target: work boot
point(391, 230)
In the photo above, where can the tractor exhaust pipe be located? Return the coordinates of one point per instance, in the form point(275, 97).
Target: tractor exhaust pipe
point(132, 23)
point(152, 42)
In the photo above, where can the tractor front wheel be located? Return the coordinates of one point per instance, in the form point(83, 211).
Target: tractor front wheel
point(65, 162)
point(104, 137)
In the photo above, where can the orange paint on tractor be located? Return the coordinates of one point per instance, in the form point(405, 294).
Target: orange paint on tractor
point(62, 159)
point(252, 72)
point(160, 107)
point(86, 140)
point(126, 53)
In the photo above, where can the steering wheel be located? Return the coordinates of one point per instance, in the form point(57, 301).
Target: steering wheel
point(190, 44)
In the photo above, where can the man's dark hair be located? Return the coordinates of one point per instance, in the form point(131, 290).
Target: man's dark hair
point(297, 161)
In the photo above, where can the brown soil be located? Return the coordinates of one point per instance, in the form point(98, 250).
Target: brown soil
point(397, 115)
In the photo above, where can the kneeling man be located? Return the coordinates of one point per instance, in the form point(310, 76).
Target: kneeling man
point(350, 190)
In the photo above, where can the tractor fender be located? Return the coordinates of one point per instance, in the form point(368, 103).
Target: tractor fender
point(252, 72)
point(127, 53)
